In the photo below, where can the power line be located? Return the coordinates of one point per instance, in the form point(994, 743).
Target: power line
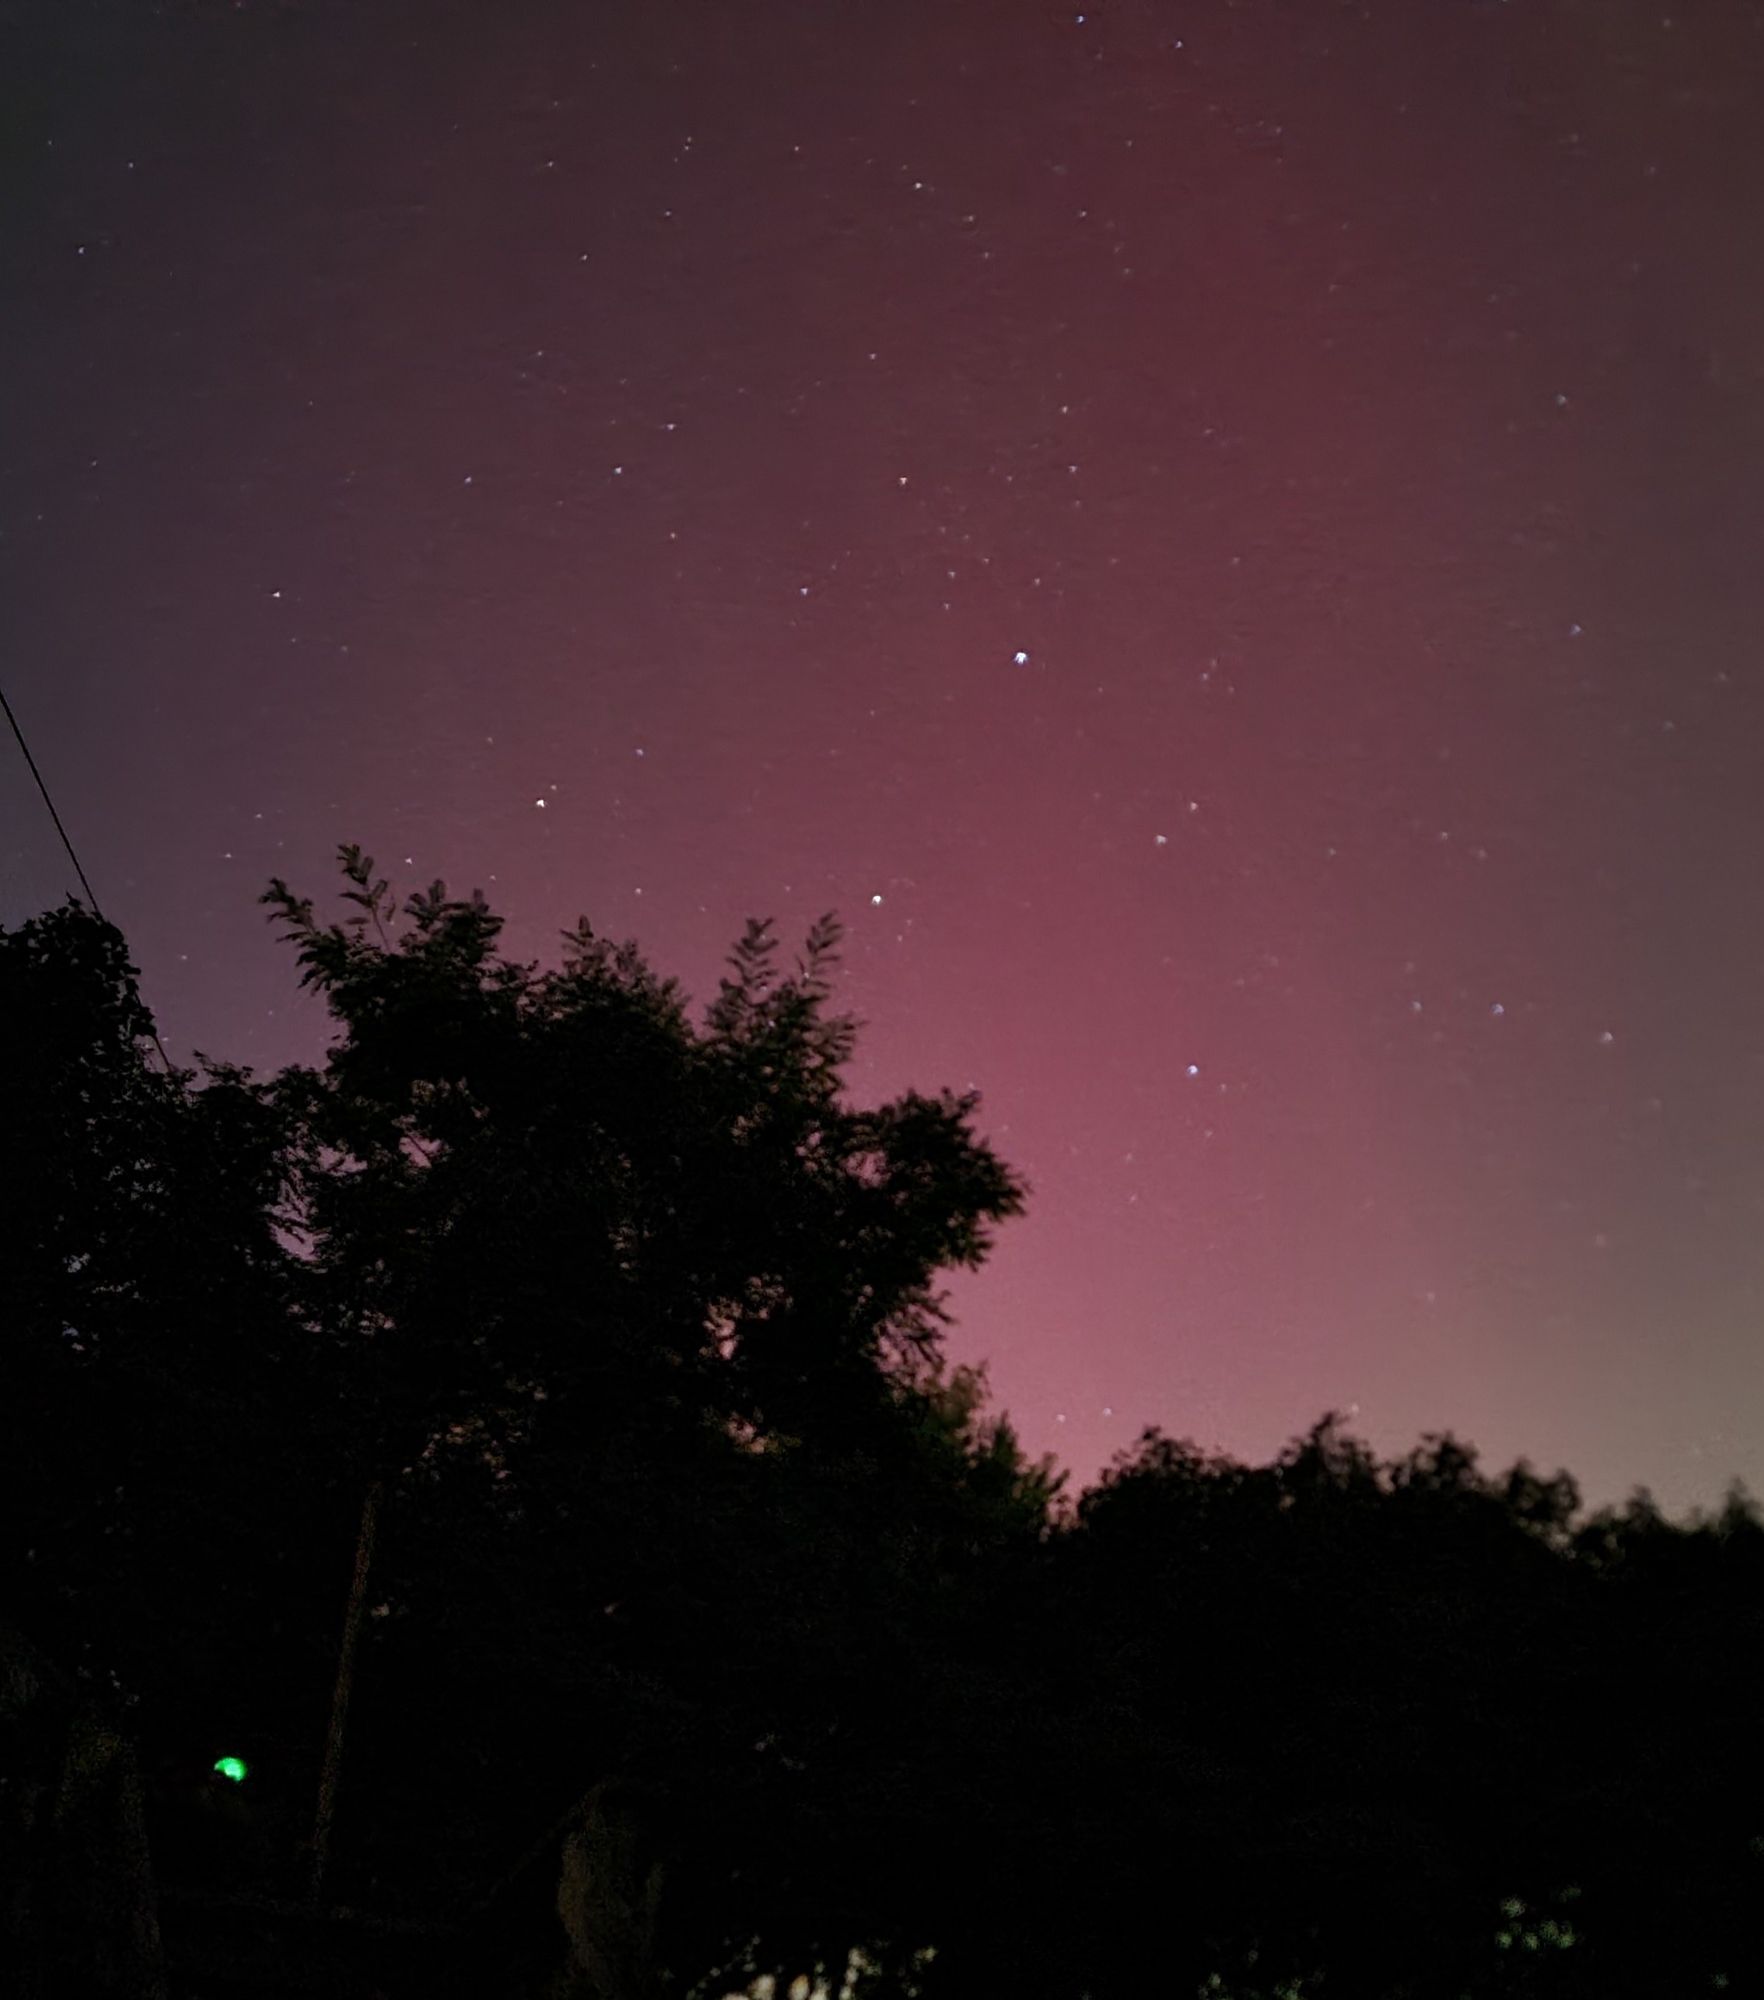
point(91, 896)
point(50, 803)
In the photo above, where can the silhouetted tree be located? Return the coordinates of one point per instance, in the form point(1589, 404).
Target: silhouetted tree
point(163, 1435)
point(633, 1324)
point(1375, 1706)
point(636, 1323)
point(645, 1317)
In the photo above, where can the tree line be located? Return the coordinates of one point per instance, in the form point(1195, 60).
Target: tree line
point(574, 1369)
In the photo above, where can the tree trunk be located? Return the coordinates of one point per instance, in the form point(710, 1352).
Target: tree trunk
point(609, 1898)
point(79, 1912)
point(333, 1768)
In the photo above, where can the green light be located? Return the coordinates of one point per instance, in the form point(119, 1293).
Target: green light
point(235, 1768)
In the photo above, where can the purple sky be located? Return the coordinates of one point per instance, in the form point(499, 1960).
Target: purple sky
point(1226, 540)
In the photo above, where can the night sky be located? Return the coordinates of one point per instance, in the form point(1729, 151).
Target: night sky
point(1225, 540)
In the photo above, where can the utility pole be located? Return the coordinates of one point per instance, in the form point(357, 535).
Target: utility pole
point(327, 1797)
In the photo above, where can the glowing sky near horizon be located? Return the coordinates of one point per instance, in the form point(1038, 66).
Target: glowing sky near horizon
point(1226, 540)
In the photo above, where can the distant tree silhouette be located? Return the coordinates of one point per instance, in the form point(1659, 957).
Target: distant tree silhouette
point(1373, 1705)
